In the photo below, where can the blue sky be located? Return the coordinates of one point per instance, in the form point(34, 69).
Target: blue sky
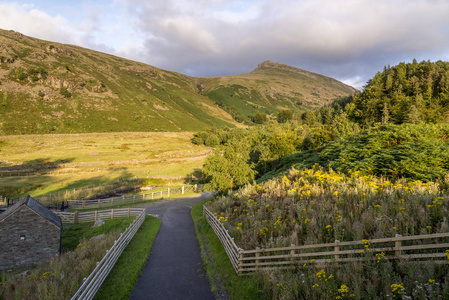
point(349, 40)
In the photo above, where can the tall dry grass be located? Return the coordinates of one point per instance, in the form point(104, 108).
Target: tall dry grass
point(62, 276)
point(314, 206)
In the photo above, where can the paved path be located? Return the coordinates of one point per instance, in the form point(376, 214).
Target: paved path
point(174, 269)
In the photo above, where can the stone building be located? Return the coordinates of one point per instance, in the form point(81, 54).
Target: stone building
point(29, 234)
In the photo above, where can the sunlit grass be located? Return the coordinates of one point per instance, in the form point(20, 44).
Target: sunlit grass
point(82, 160)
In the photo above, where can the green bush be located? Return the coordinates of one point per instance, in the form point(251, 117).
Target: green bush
point(65, 92)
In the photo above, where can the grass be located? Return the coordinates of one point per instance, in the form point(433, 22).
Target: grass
point(119, 94)
point(62, 163)
point(121, 281)
point(219, 270)
point(73, 234)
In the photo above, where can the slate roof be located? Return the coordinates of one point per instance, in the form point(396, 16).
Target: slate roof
point(37, 207)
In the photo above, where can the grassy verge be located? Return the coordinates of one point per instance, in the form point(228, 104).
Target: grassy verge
point(74, 233)
point(218, 267)
point(123, 277)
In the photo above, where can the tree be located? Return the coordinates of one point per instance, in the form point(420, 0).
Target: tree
point(385, 114)
point(229, 166)
point(413, 115)
point(260, 118)
point(284, 115)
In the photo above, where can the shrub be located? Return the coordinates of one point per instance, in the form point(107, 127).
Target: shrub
point(65, 92)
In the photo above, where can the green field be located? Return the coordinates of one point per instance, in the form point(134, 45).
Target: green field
point(61, 163)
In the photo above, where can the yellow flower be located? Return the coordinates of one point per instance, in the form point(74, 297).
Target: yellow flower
point(316, 285)
point(431, 281)
point(397, 288)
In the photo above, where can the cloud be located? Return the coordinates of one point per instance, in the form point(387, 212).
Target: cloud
point(30, 21)
point(347, 39)
point(318, 34)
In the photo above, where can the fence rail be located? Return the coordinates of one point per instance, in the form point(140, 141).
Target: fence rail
point(114, 201)
point(418, 248)
point(93, 283)
point(92, 216)
point(223, 235)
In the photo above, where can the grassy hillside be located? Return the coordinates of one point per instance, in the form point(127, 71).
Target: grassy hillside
point(50, 87)
point(47, 87)
point(272, 87)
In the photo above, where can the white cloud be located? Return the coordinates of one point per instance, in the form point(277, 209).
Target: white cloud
point(339, 38)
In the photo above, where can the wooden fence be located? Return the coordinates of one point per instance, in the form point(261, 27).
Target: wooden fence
point(92, 216)
point(223, 235)
point(93, 283)
point(114, 201)
point(418, 248)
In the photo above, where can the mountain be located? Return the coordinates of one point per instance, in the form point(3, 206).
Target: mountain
point(271, 87)
point(47, 87)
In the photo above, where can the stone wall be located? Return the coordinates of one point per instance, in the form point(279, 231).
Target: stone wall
point(26, 238)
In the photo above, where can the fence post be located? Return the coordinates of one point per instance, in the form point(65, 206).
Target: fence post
point(123, 200)
point(75, 217)
point(96, 213)
point(161, 195)
point(183, 190)
point(128, 211)
point(337, 249)
point(83, 203)
point(240, 264)
point(143, 197)
point(152, 196)
point(257, 259)
point(134, 198)
point(99, 203)
point(195, 188)
point(397, 246)
point(292, 253)
point(168, 192)
point(112, 213)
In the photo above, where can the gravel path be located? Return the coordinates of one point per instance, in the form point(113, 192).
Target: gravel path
point(174, 269)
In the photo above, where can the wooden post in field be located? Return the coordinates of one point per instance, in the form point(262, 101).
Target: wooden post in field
point(82, 202)
point(96, 214)
point(123, 200)
point(257, 259)
point(397, 246)
point(152, 196)
point(168, 192)
point(183, 190)
point(134, 198)
point(337, 249)
point(143, 197)
point(161, 194)
point(75, 217)
point(292, 252)
point(112, 213)
point(128, 211)
point(112, 201)
point(195, 188)
point(240, 264)
point(99, 202)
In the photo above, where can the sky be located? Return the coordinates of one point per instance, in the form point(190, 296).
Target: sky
point(349, 40)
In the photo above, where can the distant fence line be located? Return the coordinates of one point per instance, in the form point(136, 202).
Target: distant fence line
point(93, 216)
point(249, 261)
point(93, 283)
point(122, 200)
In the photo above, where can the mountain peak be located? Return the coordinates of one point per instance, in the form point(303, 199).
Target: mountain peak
point(271, 65)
